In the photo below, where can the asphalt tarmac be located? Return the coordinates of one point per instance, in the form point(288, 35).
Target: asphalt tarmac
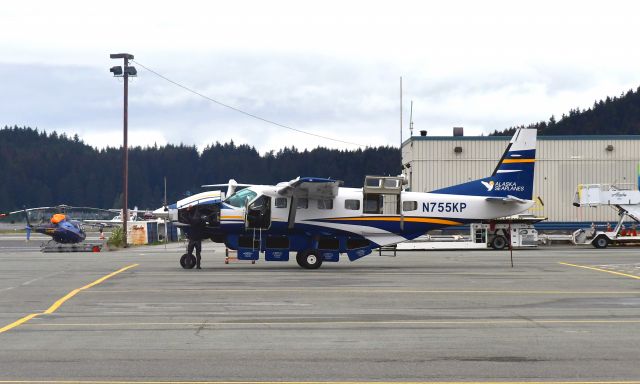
point(421, 316)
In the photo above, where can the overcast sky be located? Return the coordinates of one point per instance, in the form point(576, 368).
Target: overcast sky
point(328, 67)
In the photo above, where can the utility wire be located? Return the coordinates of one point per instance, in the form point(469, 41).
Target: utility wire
point(239, 110)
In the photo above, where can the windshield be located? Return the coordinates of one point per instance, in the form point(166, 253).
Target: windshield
point(240, 198)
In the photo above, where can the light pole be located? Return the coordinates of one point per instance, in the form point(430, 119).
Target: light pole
point(125, 72)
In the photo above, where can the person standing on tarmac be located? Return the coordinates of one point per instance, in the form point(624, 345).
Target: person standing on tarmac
point(197, 244)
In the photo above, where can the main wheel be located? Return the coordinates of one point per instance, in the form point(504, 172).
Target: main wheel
point(499, 242)
point(601, 241)
point(309, 259)
point(187, 261)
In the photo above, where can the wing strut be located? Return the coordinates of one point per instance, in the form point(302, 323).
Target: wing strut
point(292, 211)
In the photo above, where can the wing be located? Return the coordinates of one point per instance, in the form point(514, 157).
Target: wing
point(310, 187)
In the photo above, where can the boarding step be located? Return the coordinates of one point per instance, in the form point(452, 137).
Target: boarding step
point(231, 256)
point(388, 251)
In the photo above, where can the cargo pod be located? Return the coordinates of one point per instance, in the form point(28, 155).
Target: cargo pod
point(357, 248)
point(276, 248)
point(329, 248)
point(248, 247)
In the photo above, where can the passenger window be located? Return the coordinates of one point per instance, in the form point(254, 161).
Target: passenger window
point(373, 183)
point(281, 202)
point(390, 183)
point(409, 205)
point(353, 205)
point(303, 203)
point(325, 204)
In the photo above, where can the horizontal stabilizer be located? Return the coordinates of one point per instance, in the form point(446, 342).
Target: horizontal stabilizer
point(508, 199)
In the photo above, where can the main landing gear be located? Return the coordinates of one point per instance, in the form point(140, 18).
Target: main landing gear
point(309, 259)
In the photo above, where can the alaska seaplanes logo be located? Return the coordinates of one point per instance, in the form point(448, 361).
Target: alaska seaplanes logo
point(509, 186)
point(488, 185)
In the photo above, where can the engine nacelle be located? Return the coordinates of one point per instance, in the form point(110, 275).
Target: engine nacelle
point(200, 216)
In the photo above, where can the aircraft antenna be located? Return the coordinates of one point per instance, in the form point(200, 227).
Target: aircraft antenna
point(411, 120)
point(400, 112)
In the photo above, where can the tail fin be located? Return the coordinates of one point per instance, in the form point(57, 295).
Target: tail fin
point(513, 175)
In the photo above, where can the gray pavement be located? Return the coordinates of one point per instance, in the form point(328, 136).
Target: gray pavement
point(422, 316)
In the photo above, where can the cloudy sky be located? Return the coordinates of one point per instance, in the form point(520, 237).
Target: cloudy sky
point(327, 67)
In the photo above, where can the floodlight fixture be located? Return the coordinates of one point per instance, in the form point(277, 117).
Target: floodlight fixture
point(116, 70)
point(126, 56)
point(131, 71)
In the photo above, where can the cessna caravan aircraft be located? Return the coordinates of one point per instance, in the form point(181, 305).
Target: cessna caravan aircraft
point(319, 220)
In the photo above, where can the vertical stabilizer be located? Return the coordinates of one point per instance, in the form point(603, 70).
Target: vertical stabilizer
point(513, 176)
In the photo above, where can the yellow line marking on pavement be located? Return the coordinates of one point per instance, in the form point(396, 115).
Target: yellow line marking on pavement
point(373, 322)
point(602, 270)
point(18, 322)
point(311, 382)
point(61, 301)
point(366, 290)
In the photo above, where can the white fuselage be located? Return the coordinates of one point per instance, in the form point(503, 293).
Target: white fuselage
point(419, 212)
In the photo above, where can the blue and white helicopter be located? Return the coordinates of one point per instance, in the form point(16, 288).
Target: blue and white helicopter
point(60, 228)
point(318, 219)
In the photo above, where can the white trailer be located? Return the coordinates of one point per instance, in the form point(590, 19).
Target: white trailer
point(624, 198)
point(497, 234)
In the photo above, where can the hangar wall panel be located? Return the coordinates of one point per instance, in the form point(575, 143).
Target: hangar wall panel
point(561, 164)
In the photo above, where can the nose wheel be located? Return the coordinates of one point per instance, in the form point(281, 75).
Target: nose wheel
point(309, 259)
point(187, 261)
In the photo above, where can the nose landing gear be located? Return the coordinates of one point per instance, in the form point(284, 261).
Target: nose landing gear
point(187, 261)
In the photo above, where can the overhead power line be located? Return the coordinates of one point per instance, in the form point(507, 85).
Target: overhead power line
point(241, 111)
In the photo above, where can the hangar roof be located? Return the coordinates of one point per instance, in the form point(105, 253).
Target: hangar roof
point(506, 138)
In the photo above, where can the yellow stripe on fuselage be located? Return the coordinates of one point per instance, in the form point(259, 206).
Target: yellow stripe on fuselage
point(231, 217)
point(397, 218)
point(511, 161)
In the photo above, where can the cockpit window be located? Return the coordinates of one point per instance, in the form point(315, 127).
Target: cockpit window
point(240, 198)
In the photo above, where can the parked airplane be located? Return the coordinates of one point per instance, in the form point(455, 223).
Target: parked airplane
point(319, 220)
point(116, 221)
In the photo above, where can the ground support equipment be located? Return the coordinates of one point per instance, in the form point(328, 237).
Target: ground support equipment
point(624, 198)
point(52, 246)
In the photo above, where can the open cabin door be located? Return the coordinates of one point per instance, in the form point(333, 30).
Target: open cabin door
point(258, 213)
point(382, 197)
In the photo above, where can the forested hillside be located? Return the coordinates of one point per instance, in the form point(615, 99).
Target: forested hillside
point(41, 169)
point(612, 116)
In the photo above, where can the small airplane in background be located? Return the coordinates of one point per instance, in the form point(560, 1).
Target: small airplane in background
point(116, 221)
point(319, 220)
